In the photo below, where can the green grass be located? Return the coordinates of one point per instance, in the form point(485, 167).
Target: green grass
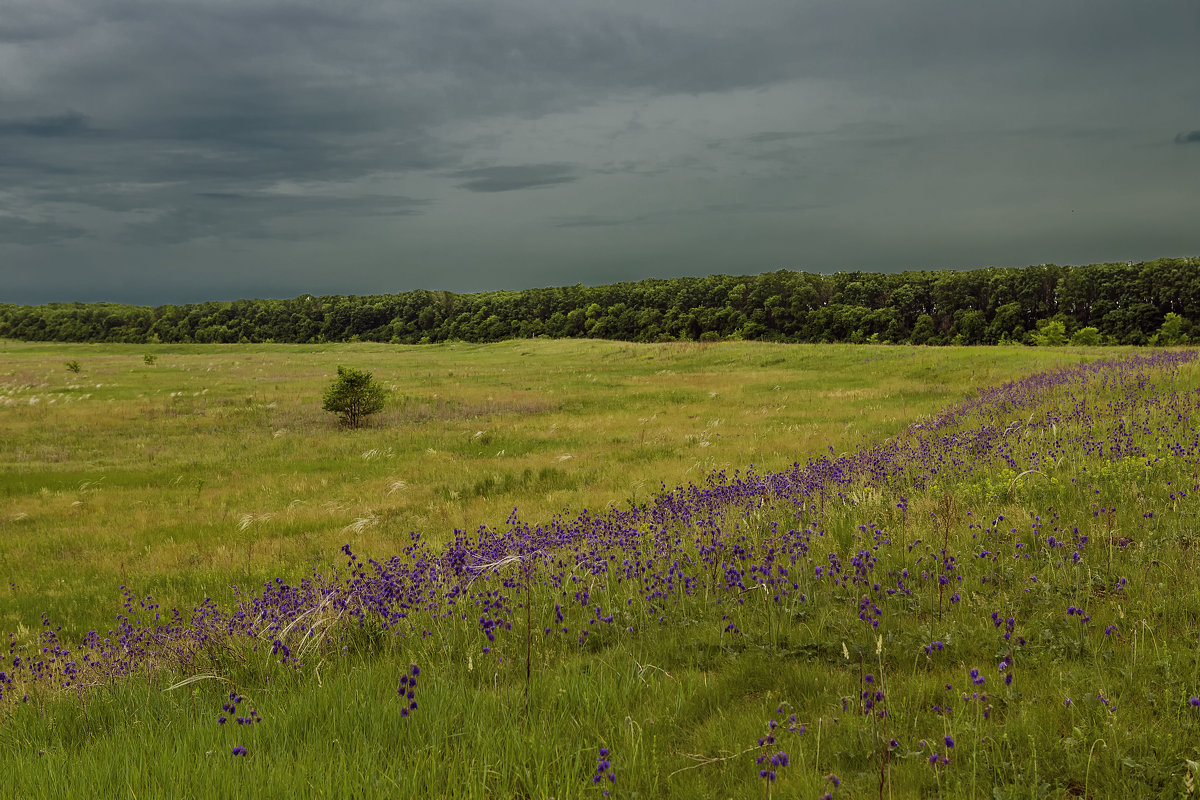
point(215, 467)
point(146, 474)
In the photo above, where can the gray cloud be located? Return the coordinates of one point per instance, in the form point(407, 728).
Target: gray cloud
point(714, 136)
point(1187, 138)
point(512, 178)
point(713, 210)
point(71, 123)
point(229, 215)
point(15, 230)
point(776, 136)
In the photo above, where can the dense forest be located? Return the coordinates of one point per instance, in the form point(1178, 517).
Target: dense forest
point(1153, 302)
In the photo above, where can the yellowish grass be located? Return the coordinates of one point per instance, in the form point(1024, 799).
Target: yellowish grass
point(216, 465)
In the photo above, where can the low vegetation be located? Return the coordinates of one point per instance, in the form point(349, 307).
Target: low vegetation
point(866, 572)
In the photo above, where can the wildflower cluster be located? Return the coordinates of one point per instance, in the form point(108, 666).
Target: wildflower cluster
point(833, 782)
point(872, 696)
point(408, 690)
point(734, 554)
point(767, 760)
point(230, 707)
point(604, 770)
point(941, 759)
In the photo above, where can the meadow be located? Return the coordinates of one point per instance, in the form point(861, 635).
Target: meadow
point(718, 570)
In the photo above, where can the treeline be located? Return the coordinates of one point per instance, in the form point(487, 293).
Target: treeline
point(1152, 302)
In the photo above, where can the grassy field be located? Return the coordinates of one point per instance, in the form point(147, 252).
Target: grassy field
point(606, 609)
point(216, 464)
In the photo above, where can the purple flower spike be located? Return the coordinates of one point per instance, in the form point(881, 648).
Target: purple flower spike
point(604, 770)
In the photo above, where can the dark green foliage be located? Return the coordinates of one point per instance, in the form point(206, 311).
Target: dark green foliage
point(1152, 302)
point(354, 395)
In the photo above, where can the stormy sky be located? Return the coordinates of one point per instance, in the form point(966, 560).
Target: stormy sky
point(186, 150)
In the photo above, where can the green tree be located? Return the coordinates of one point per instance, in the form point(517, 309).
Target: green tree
point(1086, 337)
point(1005, 322)
point(355, 394)
point(1052, 334)
point(924, 331)
point(1171, 332)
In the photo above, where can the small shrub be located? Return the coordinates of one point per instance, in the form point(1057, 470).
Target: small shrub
point(354, 395)
point(73, 366)
point(150, 359)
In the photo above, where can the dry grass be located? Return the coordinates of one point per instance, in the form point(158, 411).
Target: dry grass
point(216, 465)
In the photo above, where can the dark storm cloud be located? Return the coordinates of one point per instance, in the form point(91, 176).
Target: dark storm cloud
point(1187, 138)
point(15, 230)
point(532, 50)
point(72, 123)
point(776, 136)
point(142, 133)
point(230, 215)
point(206, 99)
point(509, 179)
point(726, 210)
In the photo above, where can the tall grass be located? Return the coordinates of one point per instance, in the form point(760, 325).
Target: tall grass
point(140, 474)
point(872, 601)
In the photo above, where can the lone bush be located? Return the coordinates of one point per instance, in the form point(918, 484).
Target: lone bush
point(355, 395)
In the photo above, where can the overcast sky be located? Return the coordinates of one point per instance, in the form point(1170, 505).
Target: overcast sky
point(156, 151)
